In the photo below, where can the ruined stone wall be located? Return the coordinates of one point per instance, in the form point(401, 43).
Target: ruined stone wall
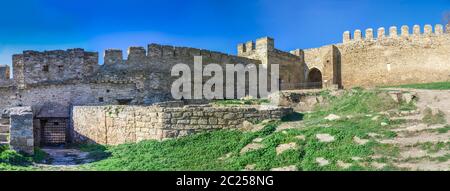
point(21, 130)
point(73, 77)
point(7, 97)
point(292, 68)
point(33, 67)
point(388, 58)
point(151, 70)
point(63, 96)
point(114, 125)
point(291, 64)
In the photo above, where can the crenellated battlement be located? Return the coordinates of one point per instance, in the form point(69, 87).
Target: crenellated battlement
point(395, 32)
point(261, 44)
point(156, 53)
point(113, 56)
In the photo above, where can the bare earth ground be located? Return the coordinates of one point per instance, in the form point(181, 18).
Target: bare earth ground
point(414, 134)
point(62, 159)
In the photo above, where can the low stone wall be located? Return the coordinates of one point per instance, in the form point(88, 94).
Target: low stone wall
point(112, 125)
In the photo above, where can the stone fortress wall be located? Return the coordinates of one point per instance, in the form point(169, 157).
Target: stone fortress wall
point(54, 82)
point(74, 77)
point(399, 57)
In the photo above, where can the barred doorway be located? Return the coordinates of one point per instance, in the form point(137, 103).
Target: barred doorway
point(54, 131)
point(314, 78)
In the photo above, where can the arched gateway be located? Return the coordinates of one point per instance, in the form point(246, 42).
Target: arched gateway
point(314, 78)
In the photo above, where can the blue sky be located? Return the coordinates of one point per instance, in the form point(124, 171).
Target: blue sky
point(215, 24)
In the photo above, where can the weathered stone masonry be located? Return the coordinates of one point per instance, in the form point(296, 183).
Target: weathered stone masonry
point(21, 129)
point(391, 58)
point(114, 125)
point(54, 82)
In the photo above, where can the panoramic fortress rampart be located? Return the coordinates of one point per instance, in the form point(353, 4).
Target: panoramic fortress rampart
point(52, 83)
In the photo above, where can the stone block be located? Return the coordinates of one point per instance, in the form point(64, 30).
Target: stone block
point(4, 128)
point(21, 131)
point(381, 33)
point(346, 37)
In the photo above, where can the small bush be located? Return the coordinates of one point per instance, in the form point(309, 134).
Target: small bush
point(13, 158)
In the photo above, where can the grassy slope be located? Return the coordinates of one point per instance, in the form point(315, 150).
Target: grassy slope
point(202, 151)
point(430, 86)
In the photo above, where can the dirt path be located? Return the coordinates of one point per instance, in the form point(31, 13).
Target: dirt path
point(63, 159)
point(433, 99)
point(421, 146)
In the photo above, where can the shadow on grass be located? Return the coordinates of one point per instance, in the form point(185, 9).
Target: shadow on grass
point(293, 117)
point(96, 152)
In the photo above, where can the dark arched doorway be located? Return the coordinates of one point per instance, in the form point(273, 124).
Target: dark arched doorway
point(314, 78)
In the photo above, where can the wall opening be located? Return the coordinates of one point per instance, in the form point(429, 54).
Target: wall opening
point(54, 131)
point(124, 101)
point(314, 78)
point(45, 68)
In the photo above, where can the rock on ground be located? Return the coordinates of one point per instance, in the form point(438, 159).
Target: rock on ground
point(285, 168)
point(332, 117)
point(258, 140)
point(325, 138)
point(249, 167)
point(251, 147)
point(301, 137)
point(248, 126)
point(290, 125)
point(360, 141)
point(284, 147)
point(322, 161)
point(378, 165)
point(226, 156)
point(343, 164)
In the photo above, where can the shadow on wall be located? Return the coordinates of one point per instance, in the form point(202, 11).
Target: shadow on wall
point(338, 68)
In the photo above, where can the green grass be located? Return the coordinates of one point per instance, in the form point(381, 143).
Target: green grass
point(12, 161)
point(359, 101)
point(202, 152)
point(430, 86)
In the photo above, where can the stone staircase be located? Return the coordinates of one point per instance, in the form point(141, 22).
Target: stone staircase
point(4, 131)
